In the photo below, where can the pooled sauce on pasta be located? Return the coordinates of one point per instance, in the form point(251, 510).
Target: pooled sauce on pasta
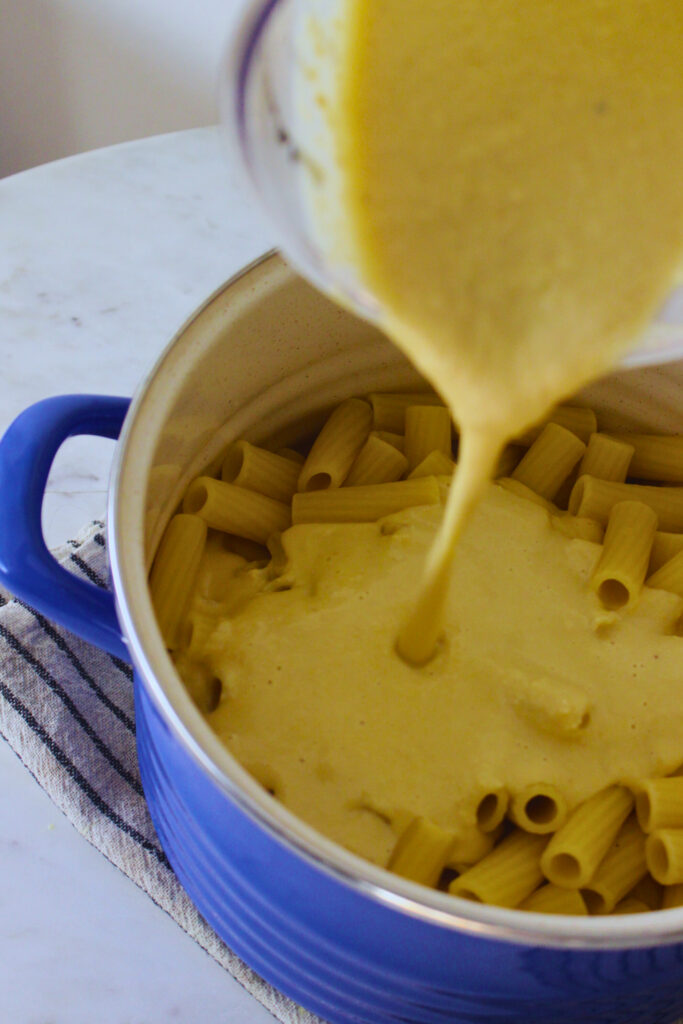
point(513, 191)
point(513, 188)
point(535, 681)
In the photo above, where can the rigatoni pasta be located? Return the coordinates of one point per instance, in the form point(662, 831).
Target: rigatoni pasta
point(655, 457)
point(469, 849)
point(659, 804)
point(630, 905)
point(427, 429)
point(507, 875)
point(580, 420)
point(664, 547)
point(363, 504)
point(257, 469)
point(575, 851)
point(648, 891)
point(336, 446)
point(549, 460)
point(529, 846)
point(669, 576)
point(664, 855)
point(389, 410)
point(540, 808)
point(422, 852)
point(434, 464)
point(378, 462)
point(606, 458)
point(596, 498)
point(672, 896)
point(522, 490)
point(623, 866)
point(236, 510)
point(620, 573)
point(174, 573)
point(397, 441)
point(551, 899)
point(492, 808)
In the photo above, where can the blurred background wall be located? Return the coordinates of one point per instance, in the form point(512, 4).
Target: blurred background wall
point(78, 74)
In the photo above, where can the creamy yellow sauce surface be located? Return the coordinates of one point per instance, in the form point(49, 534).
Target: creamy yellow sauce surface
point(535, 681)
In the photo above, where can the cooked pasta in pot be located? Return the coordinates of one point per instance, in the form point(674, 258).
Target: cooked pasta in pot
point(510, 767)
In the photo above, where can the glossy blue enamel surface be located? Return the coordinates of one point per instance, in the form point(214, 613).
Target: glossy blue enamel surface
point(26, 567)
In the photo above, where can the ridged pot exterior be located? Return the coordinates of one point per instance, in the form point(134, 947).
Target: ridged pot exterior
point(348, 957)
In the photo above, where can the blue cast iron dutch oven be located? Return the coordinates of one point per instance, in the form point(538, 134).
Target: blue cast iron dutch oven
point(343, 938)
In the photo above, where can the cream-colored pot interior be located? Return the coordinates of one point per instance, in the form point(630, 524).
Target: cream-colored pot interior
point(267, 355)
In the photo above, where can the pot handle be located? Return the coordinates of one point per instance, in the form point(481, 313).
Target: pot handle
point(27, 568)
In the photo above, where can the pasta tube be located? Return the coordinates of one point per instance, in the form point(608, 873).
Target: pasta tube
point(492, 808)
point(581, 421)
point(623, 866)
point(246, 465)
point(217, 570)
point(606, 458)
point(672, 897)
point(364, 504)
point(249, 550)
point(669, 576)
point(595, 499)
point(507, 875)
point(538, 808)
point(619, 575)
point(664, 547)
point(509, 459)
point(336, 446)
point(649, 892)
point(579, 527)
point(655, 457)
point(631, 906)
point(421, 852)
point(174, 573)
point(509, 483)
point(471, 848)
point(233, 509)
point(428, 429)
point(549, 461)
point(389, 410)
point(435, 464)
point(550, 899)
point(659, 804)
point(395, 440)
point(575, 851)
point(376, 463)
point(664, 853)
point(551, 704)
point(290, 453)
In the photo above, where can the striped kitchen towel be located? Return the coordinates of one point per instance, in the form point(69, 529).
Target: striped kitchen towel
point(66, 709)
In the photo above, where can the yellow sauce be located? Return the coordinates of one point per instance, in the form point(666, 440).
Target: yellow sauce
point(513, 186)
point(512, 176)
point(535, 682)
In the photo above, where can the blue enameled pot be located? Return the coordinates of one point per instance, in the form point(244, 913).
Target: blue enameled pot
point(340, 936)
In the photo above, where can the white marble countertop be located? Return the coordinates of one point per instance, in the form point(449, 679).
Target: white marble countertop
point(102, 258)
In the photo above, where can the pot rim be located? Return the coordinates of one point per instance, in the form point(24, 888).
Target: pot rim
point(155, 671)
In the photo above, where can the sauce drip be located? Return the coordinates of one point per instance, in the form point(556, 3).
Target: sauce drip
point(511, 177)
